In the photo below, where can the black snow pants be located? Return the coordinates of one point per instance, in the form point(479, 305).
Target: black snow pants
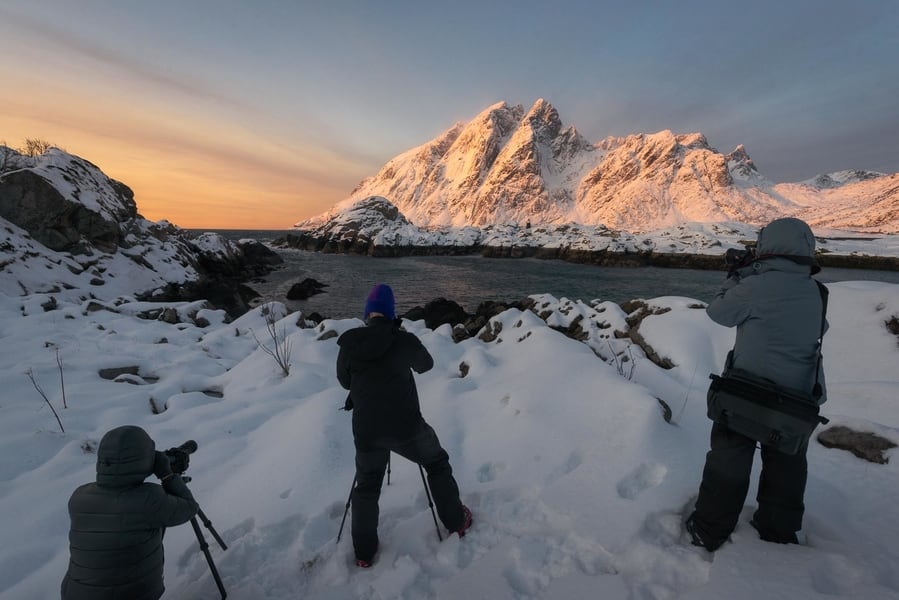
point(725, 483)
point(422, 448)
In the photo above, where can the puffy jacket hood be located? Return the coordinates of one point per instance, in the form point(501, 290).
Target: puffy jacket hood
point(370, 342)
point(125, 457)
point(788, 238)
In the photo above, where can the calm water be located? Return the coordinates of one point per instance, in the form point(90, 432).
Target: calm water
point(469, 280)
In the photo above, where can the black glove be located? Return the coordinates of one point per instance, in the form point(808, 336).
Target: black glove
point(162, 466)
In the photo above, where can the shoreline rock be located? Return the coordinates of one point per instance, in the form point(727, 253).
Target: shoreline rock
point(361, 245)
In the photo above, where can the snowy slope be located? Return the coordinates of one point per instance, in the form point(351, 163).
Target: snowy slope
point(577, 483)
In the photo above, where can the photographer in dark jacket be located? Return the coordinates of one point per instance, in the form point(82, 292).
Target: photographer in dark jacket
point(117, 523)
point(772, 300)
point(375, 363)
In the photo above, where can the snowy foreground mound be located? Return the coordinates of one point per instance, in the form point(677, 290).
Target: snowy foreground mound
point(577, 483)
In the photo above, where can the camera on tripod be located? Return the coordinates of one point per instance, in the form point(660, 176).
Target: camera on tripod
point(735, 258)
point(179, 456)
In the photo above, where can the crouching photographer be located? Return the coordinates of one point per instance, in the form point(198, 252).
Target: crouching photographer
point(117, 523)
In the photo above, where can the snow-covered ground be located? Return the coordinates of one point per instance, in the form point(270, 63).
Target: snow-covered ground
point(577, 483)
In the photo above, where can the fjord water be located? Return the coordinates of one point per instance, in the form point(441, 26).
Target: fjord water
point(470, 280)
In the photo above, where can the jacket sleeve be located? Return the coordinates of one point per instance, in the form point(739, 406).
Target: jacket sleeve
point(731, 305)
point(343, 369)
point(422, 360)
point(172, 503)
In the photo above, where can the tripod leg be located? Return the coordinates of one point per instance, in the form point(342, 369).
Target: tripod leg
point(205, 548)
point(211, 529)
point(430, 502)
point(346, 510)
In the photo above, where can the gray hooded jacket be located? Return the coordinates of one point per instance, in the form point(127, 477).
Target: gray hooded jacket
point(776, 307)
point(115, 539)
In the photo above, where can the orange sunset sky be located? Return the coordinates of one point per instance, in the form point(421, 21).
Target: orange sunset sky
point(241, 115)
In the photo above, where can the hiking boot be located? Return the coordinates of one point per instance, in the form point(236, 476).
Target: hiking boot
point(773, 536)
point(466, 521)
point(697, 538)
point(366, 563)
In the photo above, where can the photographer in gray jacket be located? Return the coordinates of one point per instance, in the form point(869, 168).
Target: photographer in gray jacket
point(117, 523)
point(776, 306)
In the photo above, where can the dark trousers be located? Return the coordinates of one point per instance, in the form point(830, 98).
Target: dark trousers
point(725, 483)
point(422, 448)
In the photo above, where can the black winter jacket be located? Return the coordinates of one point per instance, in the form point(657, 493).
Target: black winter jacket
point(375, 363)
point(118, 522)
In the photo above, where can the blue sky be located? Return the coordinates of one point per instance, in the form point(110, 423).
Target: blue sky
point(222, 113)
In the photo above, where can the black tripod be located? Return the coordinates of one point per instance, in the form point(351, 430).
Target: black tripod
point(205, 547)
point(427, 492)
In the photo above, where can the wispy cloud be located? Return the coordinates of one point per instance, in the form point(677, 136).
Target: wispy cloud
point(118, 59)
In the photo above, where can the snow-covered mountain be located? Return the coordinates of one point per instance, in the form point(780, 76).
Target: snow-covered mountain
point(509, 165)
point(848, 200)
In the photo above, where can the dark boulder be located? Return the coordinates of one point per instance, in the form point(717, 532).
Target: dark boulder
point(305, 289)
point(438, 312)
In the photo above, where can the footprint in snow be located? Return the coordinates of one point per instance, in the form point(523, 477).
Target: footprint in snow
point(645, 476)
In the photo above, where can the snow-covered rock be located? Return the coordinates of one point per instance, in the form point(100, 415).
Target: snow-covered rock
point(69, 230)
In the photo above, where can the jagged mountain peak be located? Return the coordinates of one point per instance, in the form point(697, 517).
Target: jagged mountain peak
point(742, 168)
point(839, 178)
point(544, 116)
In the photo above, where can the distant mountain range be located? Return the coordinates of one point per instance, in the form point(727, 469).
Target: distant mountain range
point(516, 167)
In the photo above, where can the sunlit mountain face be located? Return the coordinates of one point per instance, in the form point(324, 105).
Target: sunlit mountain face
point(509, 165)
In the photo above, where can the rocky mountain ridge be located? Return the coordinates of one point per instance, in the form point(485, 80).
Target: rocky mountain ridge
point(511, 166)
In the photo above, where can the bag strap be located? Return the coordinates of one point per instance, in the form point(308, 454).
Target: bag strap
point(817, 391)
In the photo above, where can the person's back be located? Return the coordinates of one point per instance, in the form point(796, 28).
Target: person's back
point(776, 308)
point(117, 523)
point(376, 366)
point(375, 363)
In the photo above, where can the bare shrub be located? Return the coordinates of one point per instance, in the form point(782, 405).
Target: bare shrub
point(278, 346)
point(625, 365)
point(30, 374)
point(35, 147)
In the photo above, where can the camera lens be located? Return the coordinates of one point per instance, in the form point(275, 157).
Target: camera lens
point(189, 447)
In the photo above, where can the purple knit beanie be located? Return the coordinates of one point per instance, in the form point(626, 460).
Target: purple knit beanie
point(380, 300)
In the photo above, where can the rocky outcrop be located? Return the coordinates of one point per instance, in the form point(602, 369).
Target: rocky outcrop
point(63, 212)
point(60, 221)
point(441, 311)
